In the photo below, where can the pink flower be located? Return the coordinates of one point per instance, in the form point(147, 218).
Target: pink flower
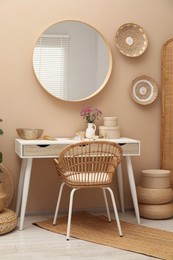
point(90, 114)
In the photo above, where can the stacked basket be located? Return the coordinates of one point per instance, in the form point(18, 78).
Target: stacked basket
point(155, 194)
point(110, 129)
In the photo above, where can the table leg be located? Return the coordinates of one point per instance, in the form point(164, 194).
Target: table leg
point(120, 185)
point(133, 188)
point(25, 191)
point(20, 185)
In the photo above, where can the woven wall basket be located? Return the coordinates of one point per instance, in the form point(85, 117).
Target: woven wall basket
point(163, 211)
point(144, 90)
point(154, 196)
point(8, 221)
point(131, 40)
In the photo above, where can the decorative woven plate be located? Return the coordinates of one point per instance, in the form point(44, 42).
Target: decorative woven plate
point(131, 40)
point(144, 90)
point(7, 184)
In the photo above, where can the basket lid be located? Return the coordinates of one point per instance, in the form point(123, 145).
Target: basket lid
point(109, 127)
point(156, 173)
point(111, 118)
point(6, 216)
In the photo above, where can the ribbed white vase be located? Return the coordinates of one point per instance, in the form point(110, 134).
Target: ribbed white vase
point(90, 131)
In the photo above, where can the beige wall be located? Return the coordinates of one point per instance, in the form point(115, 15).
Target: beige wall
point(24, 103)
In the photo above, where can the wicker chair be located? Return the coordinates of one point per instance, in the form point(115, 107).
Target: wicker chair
point(88, 164)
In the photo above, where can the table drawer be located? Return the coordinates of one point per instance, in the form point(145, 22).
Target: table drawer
point(52, 150)
point(131, 149)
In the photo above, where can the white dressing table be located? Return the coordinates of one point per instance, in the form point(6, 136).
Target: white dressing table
point(30, 149)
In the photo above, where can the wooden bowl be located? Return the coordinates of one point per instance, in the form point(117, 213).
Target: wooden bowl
point(29, 133)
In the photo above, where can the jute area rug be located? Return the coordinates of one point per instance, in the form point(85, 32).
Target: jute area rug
point(136, 238)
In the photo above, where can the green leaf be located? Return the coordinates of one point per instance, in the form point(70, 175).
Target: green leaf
point(1, 132)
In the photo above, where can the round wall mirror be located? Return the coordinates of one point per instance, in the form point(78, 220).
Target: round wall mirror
point(72, 61)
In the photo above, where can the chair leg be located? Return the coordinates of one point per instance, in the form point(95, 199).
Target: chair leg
point(58, 203)
point(106, 204)
point(70, 213)
point(115, 211)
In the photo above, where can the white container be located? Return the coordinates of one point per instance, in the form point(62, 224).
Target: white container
point(110, 121)
point(109, 132)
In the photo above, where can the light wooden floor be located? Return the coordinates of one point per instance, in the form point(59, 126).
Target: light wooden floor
point(34, 243)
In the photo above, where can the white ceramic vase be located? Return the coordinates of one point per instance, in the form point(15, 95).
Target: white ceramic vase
point(90, 131)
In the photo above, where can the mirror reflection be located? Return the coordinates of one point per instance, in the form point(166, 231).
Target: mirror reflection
point(72, 60)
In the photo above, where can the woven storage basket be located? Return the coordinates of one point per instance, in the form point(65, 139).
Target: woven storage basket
point(154, 196)
point(156, 179)
point(8, 221)
point(163, 211)
point(7, 183)
point(2, 202)
point(111, 132)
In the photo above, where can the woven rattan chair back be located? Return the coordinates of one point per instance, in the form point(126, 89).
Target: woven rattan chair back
point(89, 163)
